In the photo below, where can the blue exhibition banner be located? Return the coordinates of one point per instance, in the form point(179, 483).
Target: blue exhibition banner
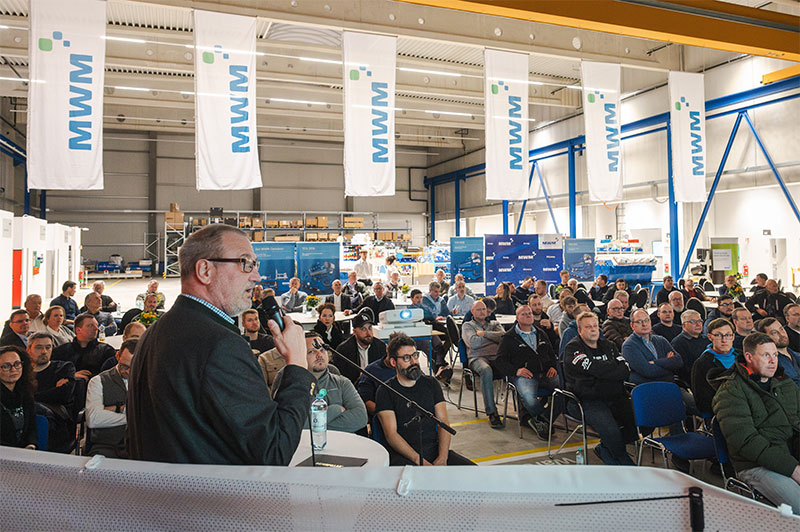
point(579, 258)
point(466, 258)
point(512, 258)
point(277, 264)
point(317, 266)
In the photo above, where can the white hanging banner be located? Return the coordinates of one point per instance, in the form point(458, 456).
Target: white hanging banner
point(687, 111)
point(601, 87)
point(369, 77)
point(226, 138)
point(506, 114)
point(65, 96)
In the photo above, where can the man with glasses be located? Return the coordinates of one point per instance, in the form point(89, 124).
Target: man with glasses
point(690, 343)
point(789, 359)
point(792, 315)
point(714, 360)
point(294, 299)
point(649, 355)
point(197, 394)
point(361, 348)
point(378, 301)
point(725, 306)
point(106, 398)
point(395, 416)
point(758, 409)
point(743, 326)
point(19, 325)
point(666, 326)
point(616, 328)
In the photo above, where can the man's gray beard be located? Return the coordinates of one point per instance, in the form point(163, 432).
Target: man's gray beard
point(412, 372)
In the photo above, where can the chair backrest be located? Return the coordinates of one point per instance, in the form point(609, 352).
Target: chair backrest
point(641, 298)
point(720, 444)
point(708, 286)
point(657, 404)
point(681, 283)
point(551, 291)
point(697, 305)
point(791, 296)
point(377, 431)
point(42, 432)
point(452, 330)
point(462, 353)
point(637, 287)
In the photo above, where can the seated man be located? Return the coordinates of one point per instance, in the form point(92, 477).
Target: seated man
point(18, 327)
point(580, 294)
point(649, 355)
point(616, 328)
point(107, 304)
point(295, 299)
point(692, 291)
point(66, 302)
point(93, 304)
point(620, 285)
point(367, 388)
point(106, 398)
point(340, 300)
point(725, 306)
point(258, 296)
point(540, 288)
point(482, 338)
point(792, 315)
point(259, 342)
point(760, 283)
point(663, 295)
point(393, 285)
point(434, 305)
point(599, 287)
point(556, 310)
point(526, 358)
point(690, 343)
point(732, 288)
point(572, 329)
point(523, 291)
point(596, 373)
point(542, 320)
point(460, 303)
point(84, 351)
point(666, 326)
point(346, 410)
point(435, 312)
point(133, 331)
point(362, 348)
point(715, 360)
point(452, 291)
point(788, 359)
point(568, 305)
point(33, 304)
point(743, 326)
point(355, 289)
point(377, 302)
point(152, 288)
point(150, 313)
point(564, 274)
point(394, 414)
point(768, 302)
point(444, 285)
point(758, 409)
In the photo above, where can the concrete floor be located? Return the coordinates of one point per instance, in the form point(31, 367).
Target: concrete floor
point(475, 439)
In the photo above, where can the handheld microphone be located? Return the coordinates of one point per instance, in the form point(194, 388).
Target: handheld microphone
point(273, 311)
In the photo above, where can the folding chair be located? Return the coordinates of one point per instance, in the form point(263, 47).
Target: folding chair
point(721, 447)
point(511, 389)
point(697, 305)
point(565, 396)
point(42, 432)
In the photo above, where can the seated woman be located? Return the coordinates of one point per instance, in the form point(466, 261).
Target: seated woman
point(505, 305)
point(326, 326)
point(53, 320)
point(17, 412)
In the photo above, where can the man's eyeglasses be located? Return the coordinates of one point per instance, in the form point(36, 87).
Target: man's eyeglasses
point(8, 365)
point(693, 322)
point(641, 322)
point(247, 264)
point(725, 304)
point(124, 367)
point(726, 336)
point(407, 358)
point(26, 320)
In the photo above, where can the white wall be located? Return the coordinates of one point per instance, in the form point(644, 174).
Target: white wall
point(6, 249)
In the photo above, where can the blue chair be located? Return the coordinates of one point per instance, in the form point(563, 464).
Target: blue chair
point(723, 457)
point(659, 404)
point(377, 431)
point(42, 432)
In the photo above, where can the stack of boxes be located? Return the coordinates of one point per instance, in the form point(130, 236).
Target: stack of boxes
point(174, 218)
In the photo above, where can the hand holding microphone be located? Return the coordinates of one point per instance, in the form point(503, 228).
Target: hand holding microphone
point(289, 337)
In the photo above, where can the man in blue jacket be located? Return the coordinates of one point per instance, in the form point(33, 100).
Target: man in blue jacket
point(650, 356)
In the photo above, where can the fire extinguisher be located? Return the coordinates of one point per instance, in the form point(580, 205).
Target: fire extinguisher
point(746, 270)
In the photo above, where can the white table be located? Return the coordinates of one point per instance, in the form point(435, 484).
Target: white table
point(114, 341)
point(307, 321)
point(709, 304)
point(344, 444)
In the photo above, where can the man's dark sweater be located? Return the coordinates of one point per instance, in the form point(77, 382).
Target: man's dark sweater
point(690, 350)
point(89, 358)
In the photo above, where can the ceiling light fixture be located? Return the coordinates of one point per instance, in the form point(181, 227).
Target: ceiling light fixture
point(425, 71)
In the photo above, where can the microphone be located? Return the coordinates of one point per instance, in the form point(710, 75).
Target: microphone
point(273, 311)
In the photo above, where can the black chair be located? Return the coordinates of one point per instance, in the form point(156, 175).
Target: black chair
point(681, 283)
point(707, 286)
point(697, 305)
point(128, 317)
point(641, 298)
point(723, 457)
point(791, 296)
point(561, 398)
point(551, 291)
point(454, 335)
point(637, 287)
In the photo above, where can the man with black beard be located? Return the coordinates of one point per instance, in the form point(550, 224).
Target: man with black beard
point(394, 413)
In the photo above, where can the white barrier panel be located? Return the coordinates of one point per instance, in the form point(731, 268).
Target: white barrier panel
point(40, 488)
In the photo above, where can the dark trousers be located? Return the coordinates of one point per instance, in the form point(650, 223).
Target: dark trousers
point(453, 458)
point(614, 422)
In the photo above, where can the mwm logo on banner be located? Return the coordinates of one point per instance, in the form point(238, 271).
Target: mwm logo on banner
point(514, 111)
point(80, 89)
point(612, 130)
point(379, 106)
point(239, 101)
point(698, 169)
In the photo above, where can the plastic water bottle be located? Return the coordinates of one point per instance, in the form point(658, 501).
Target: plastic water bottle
point(580, 459)
point(319, 421)
point(101, 334)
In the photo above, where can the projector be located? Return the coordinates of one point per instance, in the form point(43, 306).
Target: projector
point(407, 320)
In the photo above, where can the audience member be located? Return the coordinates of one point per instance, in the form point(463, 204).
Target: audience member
point(760, 283)
point(505, 305)
point(150, 313)
point(459, 277)
point(732, 288)
point(361, 348)
point(18, 328)
point(435, 313)
point(363, 268)
point(623, 297)
point(571, 331)
point(66, 302)
point(541, 290)
point(377, 302)
point(666, 325)
point(17, 386)
point(445, 286)
point(389, 268)
point(84, 351)
point(596, 372)
point(435, 306)
point(393, 286)
point(526, 358)
point(675, 299)
point(482, 338)
point(616, 328)
point(718, 357)
point(743, 326)
point(106, 399)
point(93, 303)
point(568, 305)
point(690, 343)
point(613, 293)
point(556, 310)
point(564, 275)
point(692, 291)
point(197, 395)
point(355, 289)
point(580, 294)
point(650, 356)
point(402, 435)
point(725, 306)
point(295, 299)
point(599, 288)
point(33, 304)
point(341, 302)
point(460, 303)
point(258, 296)
point(662, 296)
point(542, 320)
point(768, 302)
point(108, 304)
point(259, 342)
point(792, 315)
point(152, 288)
point(523, 291)
point(133, 331)
point(53, 320)
point(271, 362)
point(788, 359)
point(326, 325)
point(758, 409)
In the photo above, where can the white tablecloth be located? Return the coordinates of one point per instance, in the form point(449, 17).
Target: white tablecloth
point(344, 444)
point(307, 321)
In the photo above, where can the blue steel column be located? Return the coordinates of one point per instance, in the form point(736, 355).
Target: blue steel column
point(27, 205)
point(505, 217)
point(433, 212)
point(674, 248)
point(458, 206)
point(43, 204)
point(525, 203)
point(573, 218)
